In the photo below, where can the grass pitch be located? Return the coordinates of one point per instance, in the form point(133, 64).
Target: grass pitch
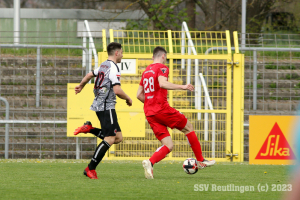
point(64, 179)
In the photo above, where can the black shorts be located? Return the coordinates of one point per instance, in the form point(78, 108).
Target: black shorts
point(109, 122)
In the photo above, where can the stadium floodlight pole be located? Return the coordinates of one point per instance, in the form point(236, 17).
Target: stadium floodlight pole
point(16, 21)
point(6, 127)
point(244, 4)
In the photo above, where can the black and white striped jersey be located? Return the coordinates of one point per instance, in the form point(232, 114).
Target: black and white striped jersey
point(108, 75)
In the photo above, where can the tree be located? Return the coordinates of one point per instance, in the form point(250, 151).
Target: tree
point(256, 12)
point(10, 3)
point(226, 14)
point(209, 9)
point(169, 14)
point(164, 14)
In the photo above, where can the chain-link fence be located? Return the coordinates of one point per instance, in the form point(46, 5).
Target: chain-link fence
point(18, 84)
point(272, 78)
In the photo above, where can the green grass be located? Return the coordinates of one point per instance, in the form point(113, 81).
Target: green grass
point(258, 86)
point(45, 51)
point(292, 76)
point(297, 86)
point(272, 66)
point(63, 179)
point(280, 54)
point(273, 85)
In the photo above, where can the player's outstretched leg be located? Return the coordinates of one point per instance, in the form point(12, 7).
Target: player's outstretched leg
point(196, 147)
point(88, 128)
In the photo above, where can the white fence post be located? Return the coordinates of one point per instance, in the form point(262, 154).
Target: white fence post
point(213, 117)
point(191, 47)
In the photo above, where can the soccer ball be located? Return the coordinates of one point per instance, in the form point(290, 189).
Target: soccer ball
point(190, 166)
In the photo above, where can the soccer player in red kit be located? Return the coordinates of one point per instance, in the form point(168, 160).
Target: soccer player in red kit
point(152, 92)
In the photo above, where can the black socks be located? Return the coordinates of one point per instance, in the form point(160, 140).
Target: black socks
point(99, 154)
point(97, 132)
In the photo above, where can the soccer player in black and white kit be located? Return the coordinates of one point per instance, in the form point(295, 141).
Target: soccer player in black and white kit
point(107, 87)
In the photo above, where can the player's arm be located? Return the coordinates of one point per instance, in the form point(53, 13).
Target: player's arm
point(83, 82)
point(165, 84)
point(115, 76)
point(140, 94)
point(121, 94)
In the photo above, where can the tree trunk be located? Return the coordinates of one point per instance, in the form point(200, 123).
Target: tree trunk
point(190, 8)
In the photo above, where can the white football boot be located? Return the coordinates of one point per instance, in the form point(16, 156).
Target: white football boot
point(206, 163)
point(201, 165)
point(148, 169)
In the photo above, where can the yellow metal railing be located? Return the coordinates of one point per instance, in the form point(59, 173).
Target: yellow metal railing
point(238, 102)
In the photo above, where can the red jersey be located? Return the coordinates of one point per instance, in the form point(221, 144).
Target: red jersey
point(155, 97)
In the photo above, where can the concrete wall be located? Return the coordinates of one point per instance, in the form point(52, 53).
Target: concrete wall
point(43, 31)
point(59, 26)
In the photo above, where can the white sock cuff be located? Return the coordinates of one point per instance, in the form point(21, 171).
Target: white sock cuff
point(159, 148)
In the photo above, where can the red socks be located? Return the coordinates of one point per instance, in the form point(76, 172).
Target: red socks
point(162, 151)
point(159, 154)
point(195, 145)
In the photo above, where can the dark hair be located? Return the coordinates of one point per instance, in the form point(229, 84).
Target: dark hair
point(158, 50)
point(112, 47)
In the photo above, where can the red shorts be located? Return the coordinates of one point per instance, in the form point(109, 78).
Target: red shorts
point(160, 122)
